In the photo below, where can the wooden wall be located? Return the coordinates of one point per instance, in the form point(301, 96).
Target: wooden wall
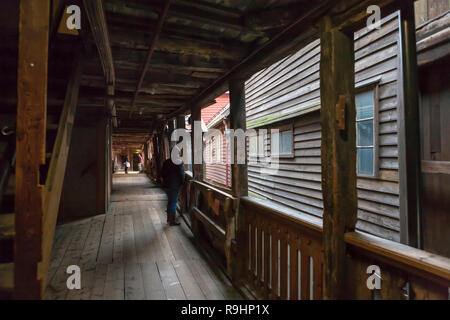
point(219, 173)
point(288, 92)
point(429, 9)
point(435, 135)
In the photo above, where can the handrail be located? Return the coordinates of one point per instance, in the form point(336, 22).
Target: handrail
point(283, 212)
point(415, 258)
point(211, 187)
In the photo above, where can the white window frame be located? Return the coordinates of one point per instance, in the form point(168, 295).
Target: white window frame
point(371, 87)
point(280, 129)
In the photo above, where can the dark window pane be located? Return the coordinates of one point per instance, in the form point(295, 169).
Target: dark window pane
point(364, 105)
point(365, 161)
point(364, 133)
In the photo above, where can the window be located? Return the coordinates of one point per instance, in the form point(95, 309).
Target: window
point(366, 134)
point(256, 145)
point(282, 141)
point(215, 145)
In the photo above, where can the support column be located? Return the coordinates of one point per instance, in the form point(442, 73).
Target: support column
point(338, 152)
point(239, 185)
point(30, 145)
point(197, 138)
point(102, 166)
point(409, 130)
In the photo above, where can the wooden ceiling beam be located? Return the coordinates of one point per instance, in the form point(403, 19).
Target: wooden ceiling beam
point(151, 49)
point(276, 18)
point(159, 77)
point(291, 39)
point(152, 88)
point(100, 34)
point(125, 57)
point(121, 38)
point(185, 15)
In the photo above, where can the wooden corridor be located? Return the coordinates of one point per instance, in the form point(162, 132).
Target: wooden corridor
point(130, 253)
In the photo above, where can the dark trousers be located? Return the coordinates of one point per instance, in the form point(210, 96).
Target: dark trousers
point(172, 199)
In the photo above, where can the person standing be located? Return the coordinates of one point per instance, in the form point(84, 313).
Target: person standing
point(173, 180)
point(126, 165)
point(141, 162)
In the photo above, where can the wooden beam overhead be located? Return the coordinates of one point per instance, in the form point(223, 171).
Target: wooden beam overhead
point(99, 30)
point(277, 17)
point(151, 48)
point(186, 15)
point(124, 57)
point(156, 77)
point(300, 32)
point(152, 88)
point(169, 44)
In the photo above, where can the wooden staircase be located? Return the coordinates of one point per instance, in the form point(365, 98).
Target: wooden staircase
point(7, 196)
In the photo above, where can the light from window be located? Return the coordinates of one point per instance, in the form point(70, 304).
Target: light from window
point(253, 146)
point(365, 137)
point(282, 143)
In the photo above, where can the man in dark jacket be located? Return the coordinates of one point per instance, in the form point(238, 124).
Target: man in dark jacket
point(173, 179)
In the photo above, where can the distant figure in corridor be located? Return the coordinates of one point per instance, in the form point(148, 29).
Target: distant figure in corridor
point(141, 163)
point(126, 165)
point(173, 179)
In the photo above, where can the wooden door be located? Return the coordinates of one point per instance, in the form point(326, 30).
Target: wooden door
point(435, 136)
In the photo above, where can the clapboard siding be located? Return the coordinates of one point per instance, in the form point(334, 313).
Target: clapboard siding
point(292, 83)
point(219, 173)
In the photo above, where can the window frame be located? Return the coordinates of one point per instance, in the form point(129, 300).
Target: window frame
point(283, 128)
point(259, 153)
point(374, 88)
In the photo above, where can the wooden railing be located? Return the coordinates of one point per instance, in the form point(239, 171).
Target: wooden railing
point(282, 253)
point(406, 272)
point(212, 214)
point(283, 258)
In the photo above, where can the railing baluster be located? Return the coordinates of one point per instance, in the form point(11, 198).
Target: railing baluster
point(293, 261)
point(266, 258)
point(283, 263)
point(305, 272)
point(253, 249)
point(259, 261)
point(275, 261)
point(318, 269)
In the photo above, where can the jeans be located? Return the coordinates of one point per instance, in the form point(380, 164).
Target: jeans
point(172, 199)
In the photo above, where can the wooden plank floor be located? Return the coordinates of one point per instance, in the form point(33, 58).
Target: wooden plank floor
point(131, 253)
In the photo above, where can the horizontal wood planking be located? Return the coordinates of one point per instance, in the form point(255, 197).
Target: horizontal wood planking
point(293, 81)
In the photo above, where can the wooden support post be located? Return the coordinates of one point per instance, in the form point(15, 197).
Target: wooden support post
point(197, 137)
point(181, 122)
point(172, 126)
point(238, 120)
point(30, 145)
point(409, 130)
point(102, 166)
point(337, 82)
point(239, 184)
